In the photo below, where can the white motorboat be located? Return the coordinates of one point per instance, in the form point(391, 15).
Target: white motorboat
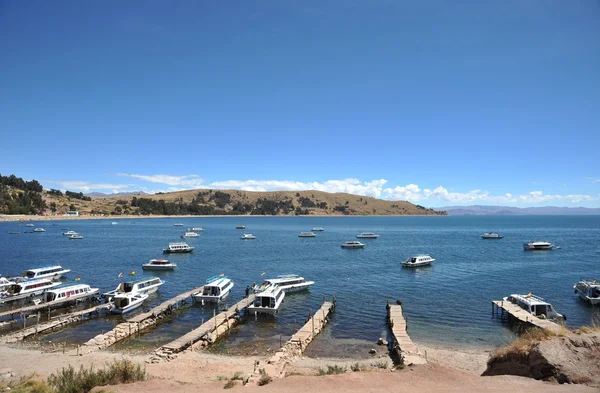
point(533, 246)
point(307, 234)
point(195, 229)
point(159, 264)
point(39, 230)
point(318, 229)
point(26, 289)
point(177, 225)
point(240, 227)
point(215, 289)
point(145, 286)
point(588, 290)
point(535, 306)
point(51, 272)
point(70, 233)
point(491, 235)
point(367, 235)
point(267, 302)
point(127, 302)
point(288, 283)
point(114, 223)
point(4, 283)
point(247, 236)
point(73, 292)
point(29, 225)
point(178, 248)
point(189, 235)
point(417, 261)
point(353, 244)
point(75, 237)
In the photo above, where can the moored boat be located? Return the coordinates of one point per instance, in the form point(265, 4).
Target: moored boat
point(367, 235)
point(188, 235)
point(51, 272)
point(127, 302)
point(240, 227)
point(73, 292)
point(318, 229)
point(159, 264)
point(288, 283)
point(535, 306)
point(39, 230)
point(534, 246)
point(419, 260)
point(491, 235)
point(352, 244)
point(29, 225)
point(178, 248)
point(195, 229)
point(247, 236)
point(75, 237)
point(178, 225)
point(588, 290)
point(267, 302)
point(215, 289)
point(307, 234)
point(70, 233)
point(146, 286)
point(23, 289)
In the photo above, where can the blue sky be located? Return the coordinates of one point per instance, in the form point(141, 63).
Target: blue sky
point(437, 102)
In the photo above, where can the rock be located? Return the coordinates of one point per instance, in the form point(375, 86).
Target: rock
point(381, 341)
point(372, 351)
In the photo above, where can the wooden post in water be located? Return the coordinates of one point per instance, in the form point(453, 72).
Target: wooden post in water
point(215, 317)
point(280, 341)
point(37, 324)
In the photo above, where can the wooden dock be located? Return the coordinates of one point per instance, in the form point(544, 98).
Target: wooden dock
point(402, 345)
point(23, 311)
point(304, 336)
point(504, 309)
point(166, 306)
point(210, 326)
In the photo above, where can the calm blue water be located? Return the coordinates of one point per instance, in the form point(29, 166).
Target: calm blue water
point(447, 303)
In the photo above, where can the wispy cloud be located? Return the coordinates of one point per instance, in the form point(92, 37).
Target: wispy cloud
point(170, 180)
point(85, 186)
point(593, 179)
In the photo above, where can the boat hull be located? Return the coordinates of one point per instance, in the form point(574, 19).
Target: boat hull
point(351, 247)
point(591, 300)
point(262, 310)
point(416, 264)
point(127, 309)
point(492, 237)
point(157, 267)
point(167, 251)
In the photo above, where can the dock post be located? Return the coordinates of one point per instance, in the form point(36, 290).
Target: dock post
point(280, 341)
point(227, 319)
point(24, 320)
point(215, 317)
point(294, 325)
point(37, 324)
point(129, 330)
point(313, 325)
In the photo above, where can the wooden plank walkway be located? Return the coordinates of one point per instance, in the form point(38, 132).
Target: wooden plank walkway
point(207, 327)
point(402, 340)
point(164, 306)
point(306, 333)
point(42, 306)
point(518, 313)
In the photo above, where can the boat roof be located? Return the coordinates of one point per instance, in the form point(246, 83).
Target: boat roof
point(38, 269)
point(421, 256)
point(284, 278)
point(219, 282)
point(530, 299)
point(65, 287)
point(269, 292)
point(23, 282)
point(178, 244)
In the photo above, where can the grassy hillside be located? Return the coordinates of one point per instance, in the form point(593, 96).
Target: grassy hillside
point(223, 202)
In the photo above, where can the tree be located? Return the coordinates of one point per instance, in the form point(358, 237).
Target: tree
point(72, 207)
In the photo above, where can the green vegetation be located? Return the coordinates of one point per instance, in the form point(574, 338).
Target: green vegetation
point(238, 376)
point(18, 196)
point(77, 195)
point(229, 384)
point(264, 378)
point(355, 367)
point(331, 370)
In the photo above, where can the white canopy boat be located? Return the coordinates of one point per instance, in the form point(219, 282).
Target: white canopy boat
point(588, 290)
point(367, 235)
point(29, 225)
point(178, 248)
point(215, 289)
point(75, 237)
point(178, 225)
point(491, 235)
point(189, 235)
point(51, 272)
point(159, 264)
point(247, 236)
point(267, 302)
point(353, 244)
point(39, 230)
point(73, 292)
point(146, 286)
point(240, 227)
point(288, 283)
point(307, 234)
point(26, 289)
point(195, 229)
point(70, 233)
point(127, 302)
point(533, 246)
point(535, 306)
point(318, 229)
point(417, 261)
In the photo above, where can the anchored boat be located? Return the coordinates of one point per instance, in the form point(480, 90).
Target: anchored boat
point(288, 283)
point(491, 235)
point(178, 248)
point(26, 289)
point(144, 286)
point(73, 292)
point(588, 290)
point(533, 246)
point(215, 289)
point(417, 261)
point(353, 244)
point(159, 264)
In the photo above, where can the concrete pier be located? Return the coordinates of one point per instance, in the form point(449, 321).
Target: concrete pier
point(402, 346)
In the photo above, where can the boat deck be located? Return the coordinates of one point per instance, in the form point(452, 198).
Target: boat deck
point(517, 312)
point(402, 342)
point(207, 327)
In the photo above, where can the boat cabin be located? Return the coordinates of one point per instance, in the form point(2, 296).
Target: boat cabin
point(535, 305)
point(47, 271)
point(30, 286)
point(79, 290)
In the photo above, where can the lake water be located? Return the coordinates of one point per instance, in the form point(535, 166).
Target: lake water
point(447, 304)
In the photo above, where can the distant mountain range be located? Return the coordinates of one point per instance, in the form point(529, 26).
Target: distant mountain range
point(519, 211)
point(118, 194)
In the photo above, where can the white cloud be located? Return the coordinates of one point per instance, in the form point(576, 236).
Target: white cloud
point(85, 186)
point(189, 181)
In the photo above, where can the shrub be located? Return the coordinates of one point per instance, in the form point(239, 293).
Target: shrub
point(28, 385)
point(229, 384)
point(332, 370)
point(237, 376)
point(264, 378)
point(355, 367)
point(522, 345)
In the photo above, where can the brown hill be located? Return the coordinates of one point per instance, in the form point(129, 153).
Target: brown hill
point(232, 202)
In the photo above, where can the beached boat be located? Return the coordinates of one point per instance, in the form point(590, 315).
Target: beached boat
point(178, 225)
point(178, 248)
point(588, 290)
point(247, 236)
point(146, 286)
point(24, 289)
point(491, 235)
point(352, 244)
point(195, 229)
point(52, 272)
point(29, 225)
point(307, 234)
point(367, 235)
point(267, 302)
point(288, 283)
point(159, 264)
point(417, 261)
point(39, 230)
point(535, 305)
point(215, 289)
point(70, 233)
point(240, 227)
point(318, 229)
point(189, 235)
point(73, 292)
point(75, 237)
point(127, 302)
point(534, 246)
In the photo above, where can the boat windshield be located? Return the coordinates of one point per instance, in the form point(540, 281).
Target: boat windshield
point(15, 288)
point(122, 302)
